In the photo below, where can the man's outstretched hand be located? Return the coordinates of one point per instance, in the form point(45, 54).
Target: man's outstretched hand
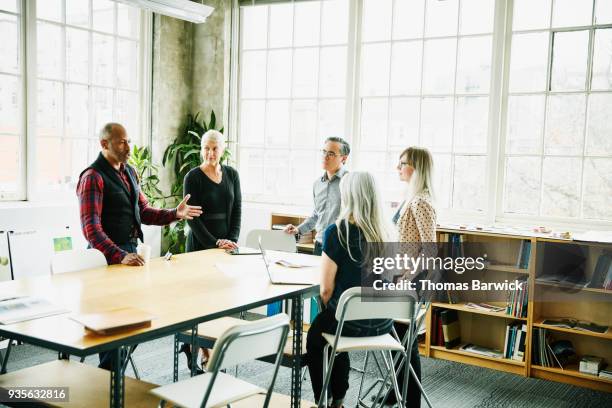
point(185, 211)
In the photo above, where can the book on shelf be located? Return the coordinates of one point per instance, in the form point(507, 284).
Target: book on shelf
point(483, 351)
point(485, 307)
point(548, 353)
point(590, 365)
point(522, 260)
point(602, 272)
point(278, 227)
point(514, 343)
point(576, 325)
point(517, 300)
point(450, 328)
point(605, 373)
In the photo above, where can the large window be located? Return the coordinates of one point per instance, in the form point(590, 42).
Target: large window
point(84, 69)
point(559, 120)
point(12, 153)
point(513, 98)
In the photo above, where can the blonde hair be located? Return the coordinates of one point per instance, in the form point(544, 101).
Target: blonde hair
point(361, 206)
point(214, 136)
point(422, 162)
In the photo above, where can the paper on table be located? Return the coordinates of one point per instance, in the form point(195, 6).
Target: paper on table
point(594, 236)
point(22, 308)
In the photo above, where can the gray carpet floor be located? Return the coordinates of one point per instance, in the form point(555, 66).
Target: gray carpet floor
point(448, 384)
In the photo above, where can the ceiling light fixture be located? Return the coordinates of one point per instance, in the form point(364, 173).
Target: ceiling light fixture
point(181, 9)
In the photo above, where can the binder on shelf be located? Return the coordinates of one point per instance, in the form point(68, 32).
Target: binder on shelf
point(450, 328)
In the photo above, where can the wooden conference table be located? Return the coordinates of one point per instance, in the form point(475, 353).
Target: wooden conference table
point(181, 293)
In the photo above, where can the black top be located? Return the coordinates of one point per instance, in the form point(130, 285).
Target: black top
point(349, 274)
point(120, 216)
point(221, 205)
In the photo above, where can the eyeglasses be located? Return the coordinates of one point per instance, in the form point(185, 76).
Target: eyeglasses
point(329, 154)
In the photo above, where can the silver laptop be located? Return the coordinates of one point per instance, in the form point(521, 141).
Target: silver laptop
point(289, 276)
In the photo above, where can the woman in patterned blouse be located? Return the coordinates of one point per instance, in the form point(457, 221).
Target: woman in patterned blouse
point(416, 224)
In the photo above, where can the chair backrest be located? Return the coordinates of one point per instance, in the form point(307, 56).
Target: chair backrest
point(271, 240)
point(361, 305)
point(250, 341)
point(76, 260)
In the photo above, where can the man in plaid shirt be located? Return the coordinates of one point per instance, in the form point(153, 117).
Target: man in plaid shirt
point(112, 206)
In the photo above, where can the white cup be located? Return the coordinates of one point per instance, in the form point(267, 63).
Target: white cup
point(144, 251)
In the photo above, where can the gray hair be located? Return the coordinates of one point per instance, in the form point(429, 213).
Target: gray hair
point(107, 130)
point(214, 136)
point(345, 149)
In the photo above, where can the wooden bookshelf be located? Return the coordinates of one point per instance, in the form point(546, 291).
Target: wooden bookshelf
point(486, 328)
point(281, 218)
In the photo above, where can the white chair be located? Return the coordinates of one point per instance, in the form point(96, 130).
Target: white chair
point(353, 306)
point(271, 240)
point(237, 345)
point(76, 260)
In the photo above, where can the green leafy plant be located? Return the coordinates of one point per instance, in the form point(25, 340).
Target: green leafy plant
point(182, 155)
point(148, 177)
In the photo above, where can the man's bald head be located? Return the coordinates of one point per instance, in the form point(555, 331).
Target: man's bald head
point(111, 129)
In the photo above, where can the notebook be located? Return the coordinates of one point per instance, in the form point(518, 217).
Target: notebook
point(115, 320)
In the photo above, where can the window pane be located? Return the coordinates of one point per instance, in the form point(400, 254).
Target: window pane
point(572, 13)
point(302, 175)
point(77, 13)
point(49, 10)
point(408, 18)
point(602, 60)
point(252, 114)
point(469, 183)
point(442, 178)
point(335, 16)
point(476, 16)
point(597, 189)
point(471, 121)
point(102, 106)
point(127, 65)
point(9, 46)
point(529, 14)
point(525, 124)
point(279, 73)
point(103, 61)
point(10, 168)
point(305, 72)
point(277, 123)
point(77, 111)
point(376, 20)
point(441, 18)
point(331, 119)
point(439, 66)
point(104, 15)
point(50, 160)
point(10, 102)
point(561, 186)
point(522, 185)
point(374, 114)
point(127, 112)
point(406, 68)
point(570, 53)
point(565, 124)
point(251, 170)
point(603, 12)
point(599, 130)
point(375, 61)
point(474, 65)
point(277, 169)
point(404, 125)
point(281, 25)
point(254, 28)
point(8, 5)
point(437, 123)
point(49, 108)
point(253, 75)
point(128, 21)
point(528, 62)
point(307, 22)
point(77, 55)
point(304, 123)
point(332, 81)
point(49, 52)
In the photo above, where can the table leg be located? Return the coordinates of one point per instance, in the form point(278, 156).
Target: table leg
point(117, 383)
point(6, 356)
point(194, 350)
point(176, 357)
point(296, 366)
